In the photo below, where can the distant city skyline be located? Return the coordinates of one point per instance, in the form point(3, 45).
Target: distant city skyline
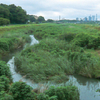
point(51, 9)
point(89, 18)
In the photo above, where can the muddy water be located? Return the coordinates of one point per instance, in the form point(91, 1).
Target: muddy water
point(87, 87)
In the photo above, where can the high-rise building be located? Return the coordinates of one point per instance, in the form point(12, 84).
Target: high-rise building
point(93, 18)
point(90, 18)
point(77, 18)
point(85, 19)
point(96, 17)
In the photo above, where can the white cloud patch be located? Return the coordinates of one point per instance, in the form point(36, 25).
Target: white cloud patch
point(53, 8)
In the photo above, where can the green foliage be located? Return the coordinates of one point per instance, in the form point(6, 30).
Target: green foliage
point(4, 11)
point(88, 41)
point(50, 20)
point(67, 36)
point(42, 96)
point(53, 98)
point(31, 18)
point(60, 93)
point(21, 91)
point(4, 83)
point(26, 51)
point(58, 53)
point(4, 70)
point(6, 43)
point(18, 15)
point(13, 14)
point(63, 93)
point(5, 96)
point(4, 21)
point(98, 90)
point(41, 19)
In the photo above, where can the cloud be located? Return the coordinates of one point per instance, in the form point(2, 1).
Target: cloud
point(54, 8)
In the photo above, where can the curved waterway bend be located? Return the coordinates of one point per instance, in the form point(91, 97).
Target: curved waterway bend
point(87, 87)
point(18, 77)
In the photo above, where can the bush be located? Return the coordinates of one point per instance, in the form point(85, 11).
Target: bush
point(5, 96)
point(4, 70)
point(21, 91)
point(63, 93)
point(43, 96)
point(4, 21)
point(67, 36)
point(4, 83)
point(87, 41)
point(4, 44)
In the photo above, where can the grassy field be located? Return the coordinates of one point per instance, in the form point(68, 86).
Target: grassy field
point(64, 49)
point(13, 37)
point(47, 60)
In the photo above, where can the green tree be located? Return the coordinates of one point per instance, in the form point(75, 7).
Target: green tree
point(21, 91)
point(50, 20)
point(31, 18)
point(13, 13)
point(21, 15)
point(41, 19)
point(17, 14)
point(4, 21)
point(4, 12)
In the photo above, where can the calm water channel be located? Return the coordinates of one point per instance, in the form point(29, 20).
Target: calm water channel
point(87, 87)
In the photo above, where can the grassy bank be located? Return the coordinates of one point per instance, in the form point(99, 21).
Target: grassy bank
point(40, 62)
point(64, 49)
point(13, 37)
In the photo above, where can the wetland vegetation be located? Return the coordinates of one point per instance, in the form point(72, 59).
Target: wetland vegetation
point(63, 49)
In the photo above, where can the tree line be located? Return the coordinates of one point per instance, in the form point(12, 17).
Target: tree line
point(16, 15)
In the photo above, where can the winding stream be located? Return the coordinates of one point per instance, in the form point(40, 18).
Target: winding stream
point(87, 87)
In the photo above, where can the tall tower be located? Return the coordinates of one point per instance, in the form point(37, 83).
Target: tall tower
point(59, 17)
point(93, 18)
point(90, 18)
point(96, 17)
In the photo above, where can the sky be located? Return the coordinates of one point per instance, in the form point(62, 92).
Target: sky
point(52, 9)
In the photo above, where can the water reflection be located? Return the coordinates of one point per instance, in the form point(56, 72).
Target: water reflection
point(87, 87)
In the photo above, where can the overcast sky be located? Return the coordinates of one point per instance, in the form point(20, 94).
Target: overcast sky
point(52, 9)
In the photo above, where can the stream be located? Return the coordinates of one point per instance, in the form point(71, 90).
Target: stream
point(87, 87)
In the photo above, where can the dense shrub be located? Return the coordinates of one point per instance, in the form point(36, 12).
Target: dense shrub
point(5, 96)
point(4, 21)
point(84, 64)
point(42, 96)
point(21, 91)
point(63, 93)
point(4, 70)
point(87, 40)
point(67, 36)
point(4, 83)
point(55, 47)
point(5, 43)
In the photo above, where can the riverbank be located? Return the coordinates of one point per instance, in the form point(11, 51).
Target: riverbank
point(59, 54)
point(63, 50)
point(13, 38)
